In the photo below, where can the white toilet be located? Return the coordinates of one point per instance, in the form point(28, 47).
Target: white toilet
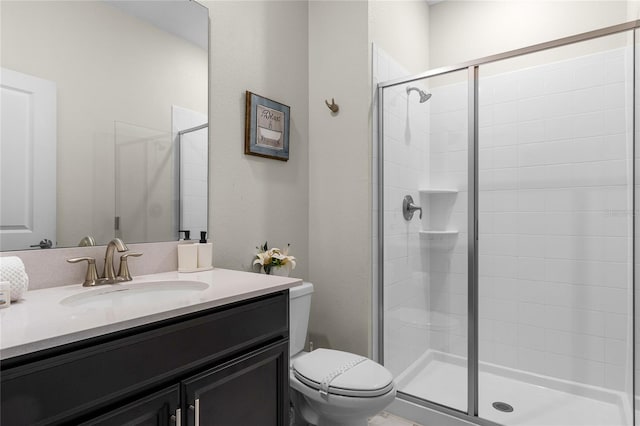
point(328, 387)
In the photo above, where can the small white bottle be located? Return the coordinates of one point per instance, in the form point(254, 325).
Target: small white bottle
point(187, 254)
point(205, 252)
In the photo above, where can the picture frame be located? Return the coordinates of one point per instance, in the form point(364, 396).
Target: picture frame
point(266, 128)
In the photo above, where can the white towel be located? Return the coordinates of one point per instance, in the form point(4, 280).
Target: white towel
point(12, 270)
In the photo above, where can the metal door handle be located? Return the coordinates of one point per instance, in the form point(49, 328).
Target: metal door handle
point(196, 409)
point(44, 244)
point(177, 418)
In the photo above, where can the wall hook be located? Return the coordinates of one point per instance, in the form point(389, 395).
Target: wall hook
point(332, 106)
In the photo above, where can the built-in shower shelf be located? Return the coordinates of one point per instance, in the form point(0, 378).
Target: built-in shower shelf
point(422, 318)
point(445, 233)
point(440, 240)
point(438, 191)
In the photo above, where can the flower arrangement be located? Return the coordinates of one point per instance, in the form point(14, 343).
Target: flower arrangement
point(274, 258)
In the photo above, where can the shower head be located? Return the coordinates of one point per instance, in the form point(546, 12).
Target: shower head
point(424, 96)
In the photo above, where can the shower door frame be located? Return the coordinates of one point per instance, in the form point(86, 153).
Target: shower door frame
point(473, 68)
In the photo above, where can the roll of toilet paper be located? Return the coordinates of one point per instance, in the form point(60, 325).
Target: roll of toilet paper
point(12, 270)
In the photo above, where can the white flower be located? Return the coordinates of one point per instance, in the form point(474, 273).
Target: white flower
point(262, 259)
point(274, 257)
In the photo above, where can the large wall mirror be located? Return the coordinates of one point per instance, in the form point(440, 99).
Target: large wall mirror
point(104, 121)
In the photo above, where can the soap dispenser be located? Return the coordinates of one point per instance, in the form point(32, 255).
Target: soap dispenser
point(187, 254)
point(205, 252)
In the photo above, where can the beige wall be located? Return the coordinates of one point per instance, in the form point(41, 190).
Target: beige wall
point(339, 182)
point(460, 31)
point(410, 45)
point(261, 47)
point(340, 191)
point(319, 200)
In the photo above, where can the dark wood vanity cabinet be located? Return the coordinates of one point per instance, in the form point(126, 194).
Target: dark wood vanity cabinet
point(246, 391)
point(159, 408)
point(222, 366)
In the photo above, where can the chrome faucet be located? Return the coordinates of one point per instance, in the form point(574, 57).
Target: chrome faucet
point(109, 273)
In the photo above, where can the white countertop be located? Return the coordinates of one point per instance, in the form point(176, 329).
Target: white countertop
point(40, 321)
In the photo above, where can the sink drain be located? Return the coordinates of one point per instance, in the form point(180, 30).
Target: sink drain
point(502, 406)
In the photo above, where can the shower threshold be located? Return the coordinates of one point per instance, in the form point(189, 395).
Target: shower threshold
point(536, 399)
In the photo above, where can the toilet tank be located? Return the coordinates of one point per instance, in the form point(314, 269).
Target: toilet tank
point(299, 309)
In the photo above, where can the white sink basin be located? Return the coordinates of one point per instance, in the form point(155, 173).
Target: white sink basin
point(144, 293)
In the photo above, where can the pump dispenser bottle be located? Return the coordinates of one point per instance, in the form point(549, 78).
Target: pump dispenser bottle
point(205, 252)
point(187, 254)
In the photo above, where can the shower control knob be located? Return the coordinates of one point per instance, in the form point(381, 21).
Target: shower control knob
point(408, 208)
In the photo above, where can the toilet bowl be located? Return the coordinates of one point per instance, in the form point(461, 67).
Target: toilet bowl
point(329, 387)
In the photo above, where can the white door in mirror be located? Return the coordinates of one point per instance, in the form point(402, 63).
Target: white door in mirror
point(27, 160)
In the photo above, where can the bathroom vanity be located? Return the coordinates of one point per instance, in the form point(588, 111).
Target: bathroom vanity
point(218, 355)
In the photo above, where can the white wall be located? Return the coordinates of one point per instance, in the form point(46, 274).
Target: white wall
point(261, 47)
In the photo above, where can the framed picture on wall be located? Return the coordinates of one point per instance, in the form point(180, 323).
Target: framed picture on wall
point(266, 128)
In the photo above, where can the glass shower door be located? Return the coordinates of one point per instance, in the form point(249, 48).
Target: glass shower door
point(636, 288)
point(555, 236)
point(425, 215)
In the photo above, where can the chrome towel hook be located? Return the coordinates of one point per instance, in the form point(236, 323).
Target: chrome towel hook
point(332, 106)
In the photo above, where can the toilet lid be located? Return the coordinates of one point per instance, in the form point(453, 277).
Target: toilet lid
point(342, 373)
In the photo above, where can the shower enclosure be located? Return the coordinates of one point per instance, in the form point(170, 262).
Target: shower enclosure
point(506, 283)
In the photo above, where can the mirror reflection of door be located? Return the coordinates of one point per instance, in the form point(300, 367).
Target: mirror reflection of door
point(27, 160)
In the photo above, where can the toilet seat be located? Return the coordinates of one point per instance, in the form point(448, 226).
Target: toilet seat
point(342, 373)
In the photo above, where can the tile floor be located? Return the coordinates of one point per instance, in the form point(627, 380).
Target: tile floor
point(386, 419)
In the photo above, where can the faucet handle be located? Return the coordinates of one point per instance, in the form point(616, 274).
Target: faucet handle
point(123, 271)
point(91, 276)
point(408, 208)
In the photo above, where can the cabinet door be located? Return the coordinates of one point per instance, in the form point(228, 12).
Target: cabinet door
point(158, 409)
point(252, 390)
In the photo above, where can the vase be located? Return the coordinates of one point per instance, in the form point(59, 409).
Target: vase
point(281, 271)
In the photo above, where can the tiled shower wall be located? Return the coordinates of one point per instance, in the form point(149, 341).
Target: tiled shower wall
point(405, 160)
point(554, 247)
point(448, 258)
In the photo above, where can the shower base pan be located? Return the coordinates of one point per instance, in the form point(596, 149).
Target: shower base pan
point(536, 400)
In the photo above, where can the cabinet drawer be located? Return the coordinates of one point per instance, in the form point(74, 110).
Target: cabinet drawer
point(68, 385)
